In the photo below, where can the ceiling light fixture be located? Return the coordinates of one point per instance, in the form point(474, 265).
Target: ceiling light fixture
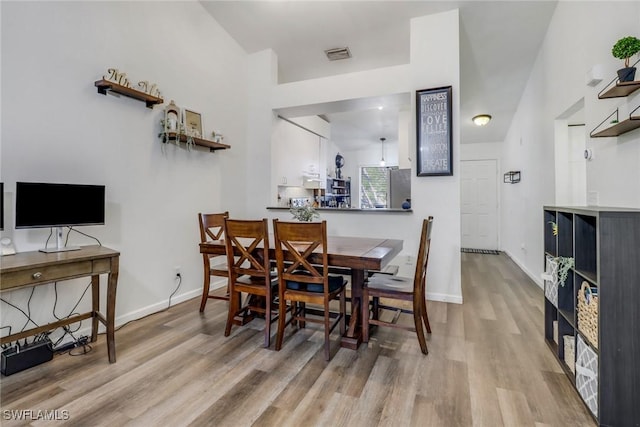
point(481, 119)
point(382, 162)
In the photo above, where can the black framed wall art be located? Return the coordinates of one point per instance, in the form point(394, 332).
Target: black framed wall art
point(434, 132)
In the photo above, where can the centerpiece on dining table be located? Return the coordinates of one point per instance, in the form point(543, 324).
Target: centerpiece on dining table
point(304, 213)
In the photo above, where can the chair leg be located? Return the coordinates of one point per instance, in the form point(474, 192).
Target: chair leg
point(205, 291)
point(425, 317)
point(327, 342)
point(365, 315)
point(294, 313)
point(343, 311)
point(233, 309)
point(282, 312)
point(417, 319)
point(267, 319)
point(375, 308)
point(303, 313)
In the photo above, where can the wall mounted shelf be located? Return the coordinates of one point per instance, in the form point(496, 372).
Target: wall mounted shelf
point(620, 90)
point(105, 85)
point(511, 177)
point(211, 145)
point(619, 128)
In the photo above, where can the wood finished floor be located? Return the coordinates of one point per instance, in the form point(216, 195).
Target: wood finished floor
point(488, 365)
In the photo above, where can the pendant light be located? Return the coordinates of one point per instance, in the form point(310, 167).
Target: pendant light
point(382, 162)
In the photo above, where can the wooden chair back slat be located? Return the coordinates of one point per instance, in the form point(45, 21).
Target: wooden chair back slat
point(247, 248)
point(299, 277)
point(211, 228)
point(247, 244)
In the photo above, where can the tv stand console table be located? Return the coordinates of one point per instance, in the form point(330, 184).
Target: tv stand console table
point(37, 268)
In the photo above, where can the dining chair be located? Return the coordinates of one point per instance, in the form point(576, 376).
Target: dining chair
point(403, 289)
point(303, 280)
point(212, 228)
point(247, 247)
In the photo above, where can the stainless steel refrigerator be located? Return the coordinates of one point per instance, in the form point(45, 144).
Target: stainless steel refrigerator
point(399, 187)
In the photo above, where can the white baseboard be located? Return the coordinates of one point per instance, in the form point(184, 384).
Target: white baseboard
point(537, 280)
point(456, 299)
point(150, 309)
point(154, 308)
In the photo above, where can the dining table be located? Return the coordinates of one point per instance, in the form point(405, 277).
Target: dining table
point(351, 255)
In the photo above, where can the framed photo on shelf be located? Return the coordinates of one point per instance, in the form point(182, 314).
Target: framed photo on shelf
point(193, 123)
point(434, 132)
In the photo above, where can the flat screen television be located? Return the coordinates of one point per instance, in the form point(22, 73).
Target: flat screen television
point(40, 205)
point(1, 205)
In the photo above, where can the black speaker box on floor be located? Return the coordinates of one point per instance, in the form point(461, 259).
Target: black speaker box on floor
point(18, 358)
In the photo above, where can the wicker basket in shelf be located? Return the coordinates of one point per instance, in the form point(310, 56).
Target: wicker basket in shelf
point(588, 314)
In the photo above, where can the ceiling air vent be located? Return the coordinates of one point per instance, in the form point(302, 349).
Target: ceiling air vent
point(338, 53)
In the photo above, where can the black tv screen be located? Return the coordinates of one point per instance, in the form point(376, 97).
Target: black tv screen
point(1, 206)
point(58, 205)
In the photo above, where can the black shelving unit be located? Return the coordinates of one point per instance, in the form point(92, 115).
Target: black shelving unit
point(338, 193)
point(605, 244)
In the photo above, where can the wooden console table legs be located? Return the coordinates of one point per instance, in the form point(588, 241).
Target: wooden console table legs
point(109, 322)
point(111, 309)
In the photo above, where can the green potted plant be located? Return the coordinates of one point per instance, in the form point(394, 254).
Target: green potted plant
point(304, 213)
point(564, 265)
point(624, 49)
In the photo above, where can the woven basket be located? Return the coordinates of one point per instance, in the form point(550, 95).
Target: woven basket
point(588, 314)
point(570, 352)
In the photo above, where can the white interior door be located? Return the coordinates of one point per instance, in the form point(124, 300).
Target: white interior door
point(479, 204)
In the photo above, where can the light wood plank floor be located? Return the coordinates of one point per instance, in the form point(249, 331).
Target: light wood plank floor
point(488, 366)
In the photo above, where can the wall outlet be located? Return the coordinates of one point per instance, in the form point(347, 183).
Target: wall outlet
point(178, 271)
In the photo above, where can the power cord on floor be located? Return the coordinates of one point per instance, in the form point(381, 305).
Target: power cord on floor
point(179, 278)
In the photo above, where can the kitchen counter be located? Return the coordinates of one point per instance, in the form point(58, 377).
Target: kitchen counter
point(347, 210)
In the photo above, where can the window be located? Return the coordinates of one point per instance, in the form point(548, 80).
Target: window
point(374, 187)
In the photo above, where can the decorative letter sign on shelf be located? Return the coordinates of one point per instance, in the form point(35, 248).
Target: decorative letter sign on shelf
point(117, 82)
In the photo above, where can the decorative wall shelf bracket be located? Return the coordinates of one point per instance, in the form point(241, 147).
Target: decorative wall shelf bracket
point(104, 86)
point(177, 138)
point(511, 177)
point(618, 128)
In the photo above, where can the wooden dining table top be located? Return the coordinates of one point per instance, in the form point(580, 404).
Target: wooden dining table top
point(359, 253)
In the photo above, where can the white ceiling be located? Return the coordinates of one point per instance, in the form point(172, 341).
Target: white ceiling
point(499, 42)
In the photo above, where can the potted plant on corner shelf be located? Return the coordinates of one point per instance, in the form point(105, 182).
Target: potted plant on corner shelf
point(624, 49)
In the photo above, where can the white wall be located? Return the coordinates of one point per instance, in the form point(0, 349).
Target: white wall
point(57, 128)
point(580, 36)
point(482, 151)
point(435, 36)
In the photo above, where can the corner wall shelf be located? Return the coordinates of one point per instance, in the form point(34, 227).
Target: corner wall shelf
point(211, 145)
point(105, 85)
